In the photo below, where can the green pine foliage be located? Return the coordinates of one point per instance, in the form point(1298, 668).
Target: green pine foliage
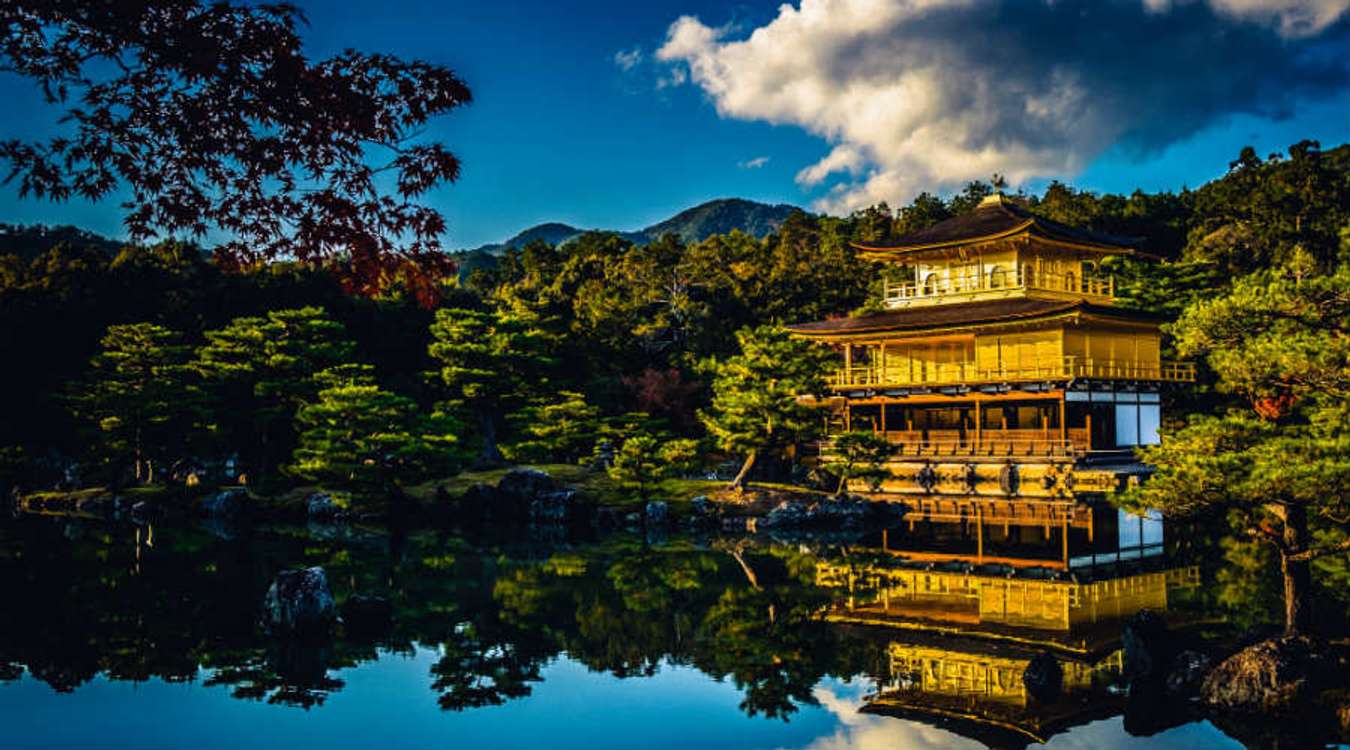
point(264, 367)
point(141, 397)
point(362, 441)
point(491, 362)
point(563, 430)
point(757, 408)
point(1278, 462)
point(643, 460)
point(859, 455)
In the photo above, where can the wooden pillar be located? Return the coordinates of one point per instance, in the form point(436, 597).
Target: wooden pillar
point(848, 417)
point(1087, 421)
point(848, 363)
point(882, 364)
point(1063, 423)
point(882, 407)
point(979, 424)
point(979, 532)
point(1064, 542)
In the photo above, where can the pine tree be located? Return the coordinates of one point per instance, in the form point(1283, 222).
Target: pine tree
point(141, 395)
point(858, 455)
point(564, 430)
point(265, 367)
point(362, 441)
point(490, 362)
point(1280, 464)
point(644, 460)
point(757, 407)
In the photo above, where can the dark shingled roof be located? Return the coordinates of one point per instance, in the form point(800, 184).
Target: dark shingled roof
point(969, 313)
point(994, 216)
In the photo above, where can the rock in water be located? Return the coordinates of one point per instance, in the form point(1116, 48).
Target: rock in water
point(299, 603)
point(657, 514)
point(553, 507)
point(1270, 677)
point(1187, 673)
point(1148, 647)
point(228, 503)
point(526, 484)
point(321, 505)
point(1043, 678)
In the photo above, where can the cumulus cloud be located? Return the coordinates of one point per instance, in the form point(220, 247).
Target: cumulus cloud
point(628, 59)
point(923, 94)
point(754, 163)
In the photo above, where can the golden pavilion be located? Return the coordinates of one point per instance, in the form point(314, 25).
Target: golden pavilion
point(1001, 365)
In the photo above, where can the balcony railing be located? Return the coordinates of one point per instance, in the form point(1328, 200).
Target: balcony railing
point(901, 294)
point(990, 442)
point(963, 373)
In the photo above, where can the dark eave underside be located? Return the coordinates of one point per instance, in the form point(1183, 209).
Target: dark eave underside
point(970, 313)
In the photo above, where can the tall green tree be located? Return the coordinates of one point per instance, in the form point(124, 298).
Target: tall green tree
point(491, 362)
point(757, 407)
point(141, 395)
point(264, 368)
point(1279, 465)
point(644, 460)
point(363, 441)
point(563, 429)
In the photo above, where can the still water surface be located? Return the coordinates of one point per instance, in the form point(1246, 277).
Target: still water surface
point(114, 636)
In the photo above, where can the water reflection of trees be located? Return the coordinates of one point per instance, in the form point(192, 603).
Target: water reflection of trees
point(98, 601)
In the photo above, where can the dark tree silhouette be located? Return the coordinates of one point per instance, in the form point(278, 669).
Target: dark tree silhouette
point(209, 115)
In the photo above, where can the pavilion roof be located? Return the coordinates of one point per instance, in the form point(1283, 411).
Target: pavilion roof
point(965, 314)
point(996, 218)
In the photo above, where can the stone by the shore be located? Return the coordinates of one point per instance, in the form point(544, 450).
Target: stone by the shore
point(231, 502)
point(526, 484)
point(1276, 676)
point(1043, 678)
point(1148, 647)
point(657, 514)
point(299, 603)
point(321, 505)
point(1187, 673)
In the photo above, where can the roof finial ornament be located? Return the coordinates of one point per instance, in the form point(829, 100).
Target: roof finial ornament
point(995, 198)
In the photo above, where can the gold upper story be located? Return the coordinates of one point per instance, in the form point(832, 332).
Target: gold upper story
point(997, 251)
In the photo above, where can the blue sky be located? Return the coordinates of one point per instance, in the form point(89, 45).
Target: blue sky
point(561, 131)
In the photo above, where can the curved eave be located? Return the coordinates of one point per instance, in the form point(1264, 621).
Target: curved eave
point(880, 253)
point(1070, 312)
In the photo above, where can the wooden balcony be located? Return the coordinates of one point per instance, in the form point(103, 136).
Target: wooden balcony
point(967, 373)
point(994, 285)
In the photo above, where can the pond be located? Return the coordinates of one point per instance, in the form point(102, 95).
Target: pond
point(146, 636)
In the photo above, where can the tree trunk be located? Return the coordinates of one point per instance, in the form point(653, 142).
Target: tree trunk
point(739, 481)
point(1296, 572)
point(488, 425)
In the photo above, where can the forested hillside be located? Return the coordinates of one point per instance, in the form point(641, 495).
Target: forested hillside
point(621, 327)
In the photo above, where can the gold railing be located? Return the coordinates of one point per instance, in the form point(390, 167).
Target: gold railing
point(959, 373)
point(989, 442)
point(900, 294)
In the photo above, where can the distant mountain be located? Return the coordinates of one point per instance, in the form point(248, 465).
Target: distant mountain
point(31, 240)
point(691, 225)
point(719, 217)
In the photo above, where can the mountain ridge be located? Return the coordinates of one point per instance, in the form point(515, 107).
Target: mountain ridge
point(693, 224)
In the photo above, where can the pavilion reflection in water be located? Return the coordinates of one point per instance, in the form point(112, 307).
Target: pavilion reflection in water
point(964, 601)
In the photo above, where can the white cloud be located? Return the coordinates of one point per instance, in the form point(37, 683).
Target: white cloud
point(754, 163)
point(628, 59)
point(1294, 18)
point(924, 94)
